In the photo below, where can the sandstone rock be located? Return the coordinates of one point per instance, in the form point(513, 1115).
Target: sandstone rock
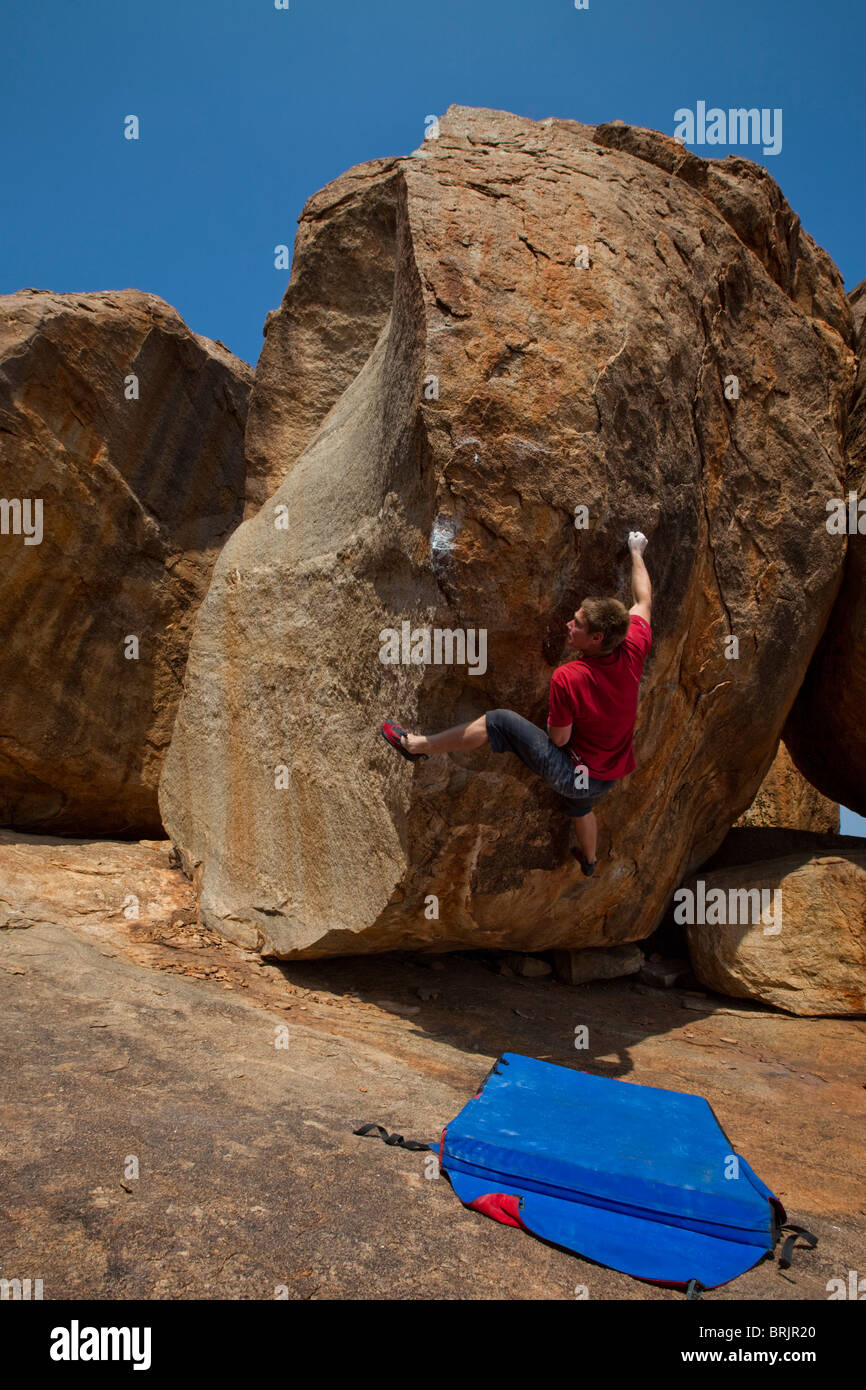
point(664, 974)
point(750, 200)
point(508, 386)
point(67, 882)
point(787, 800)
point(807, 952)
point(599, 963)
point(336, 305)
point(825, 732)
point(137, 496)
point(857, 301)
point(754, 844)
point(530, 967)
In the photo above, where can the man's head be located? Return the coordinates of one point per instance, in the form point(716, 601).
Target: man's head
point(598, 626)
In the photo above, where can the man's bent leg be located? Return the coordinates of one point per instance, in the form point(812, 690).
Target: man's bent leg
point(461, 739)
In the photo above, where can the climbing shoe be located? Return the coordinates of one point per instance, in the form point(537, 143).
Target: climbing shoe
point(586, 868)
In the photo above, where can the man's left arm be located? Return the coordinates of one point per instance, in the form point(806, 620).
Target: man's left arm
point(558, 731)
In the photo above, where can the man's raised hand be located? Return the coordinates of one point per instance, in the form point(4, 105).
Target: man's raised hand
point(637, 541)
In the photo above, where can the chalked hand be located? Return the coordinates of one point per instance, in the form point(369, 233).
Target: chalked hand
point(637, 541)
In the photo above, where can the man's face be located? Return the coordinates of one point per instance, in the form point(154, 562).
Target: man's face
point(580, 639)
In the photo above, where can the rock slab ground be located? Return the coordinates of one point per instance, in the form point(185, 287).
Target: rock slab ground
point(158, 1042)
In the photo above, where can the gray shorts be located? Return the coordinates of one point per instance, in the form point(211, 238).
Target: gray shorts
point(511, 733)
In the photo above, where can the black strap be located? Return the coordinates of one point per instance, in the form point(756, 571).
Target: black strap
point(694, 1289)
point(394, 1140)
point(494, 1071)
point(787, 1253)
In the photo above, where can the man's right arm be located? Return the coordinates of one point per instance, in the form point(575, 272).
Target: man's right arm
point(641, 587)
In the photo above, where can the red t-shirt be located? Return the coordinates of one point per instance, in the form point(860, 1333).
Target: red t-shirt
point(598, 695)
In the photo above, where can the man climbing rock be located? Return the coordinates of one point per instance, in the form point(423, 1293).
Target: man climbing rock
point(593, 707)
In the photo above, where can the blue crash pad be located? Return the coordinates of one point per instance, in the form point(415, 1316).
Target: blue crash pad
point(633, 1177)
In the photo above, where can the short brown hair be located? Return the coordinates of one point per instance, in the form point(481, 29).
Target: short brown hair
point(609, 616)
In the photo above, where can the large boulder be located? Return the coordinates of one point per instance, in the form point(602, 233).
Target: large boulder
point(137, 492)
point(785, 799)
point(783, 921)
point(825, 732)
point(569, 307)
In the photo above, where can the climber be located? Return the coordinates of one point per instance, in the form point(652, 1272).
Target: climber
point(593, 708)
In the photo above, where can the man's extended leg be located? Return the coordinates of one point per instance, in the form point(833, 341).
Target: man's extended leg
point(586, 830)
point(461, 739)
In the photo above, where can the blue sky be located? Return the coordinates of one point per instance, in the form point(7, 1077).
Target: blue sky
point(246, 110)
